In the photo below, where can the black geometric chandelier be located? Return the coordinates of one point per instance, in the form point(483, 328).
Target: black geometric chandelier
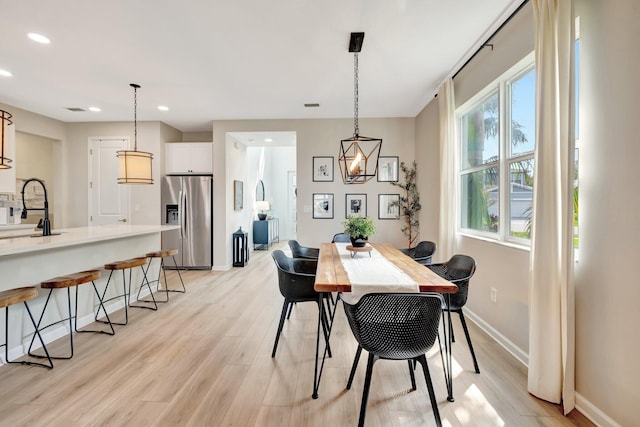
point(358, 157)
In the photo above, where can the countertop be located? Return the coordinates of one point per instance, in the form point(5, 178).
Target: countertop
point(73, 236)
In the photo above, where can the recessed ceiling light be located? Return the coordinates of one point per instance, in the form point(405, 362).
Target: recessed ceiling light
point(39, 38)
point(95, 109)
point(5, 73)
point(268, 140)
point(163, 108)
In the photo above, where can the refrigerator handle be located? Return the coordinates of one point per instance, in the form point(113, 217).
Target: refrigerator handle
point(183, 217)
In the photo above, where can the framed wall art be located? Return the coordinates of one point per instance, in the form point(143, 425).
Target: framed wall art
point(323, 205)
point(323, 169)
point(355, 204)
point(237, 195)
point(388, 206)
point(388, 169)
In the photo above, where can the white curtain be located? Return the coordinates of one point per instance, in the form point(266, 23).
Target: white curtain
point(446, 103)
point(551, 290)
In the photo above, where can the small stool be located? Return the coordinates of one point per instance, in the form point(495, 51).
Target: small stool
point(15, 296)
point(66, 282)
point(162, 254)
point(129, 264)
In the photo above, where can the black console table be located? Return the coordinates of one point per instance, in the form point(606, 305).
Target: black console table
point(265, 232)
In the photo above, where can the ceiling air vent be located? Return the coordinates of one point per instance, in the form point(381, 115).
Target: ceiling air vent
point(75, 109)
point(311, 105)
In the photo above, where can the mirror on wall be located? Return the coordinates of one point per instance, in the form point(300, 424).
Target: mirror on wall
point(260, 190)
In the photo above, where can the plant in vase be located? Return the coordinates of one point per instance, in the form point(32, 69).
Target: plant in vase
point(409, 203)
point(359, 228)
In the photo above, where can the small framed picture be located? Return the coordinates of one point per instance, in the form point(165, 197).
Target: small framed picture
point(355, 204)
point(323, 206)
point(388, 169)
point(323, 169)
point(237, 195)
point(388, 206)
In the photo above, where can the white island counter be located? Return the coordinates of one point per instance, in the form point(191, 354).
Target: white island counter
point(28, 260)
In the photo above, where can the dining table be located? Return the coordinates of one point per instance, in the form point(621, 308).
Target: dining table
point(348, 273)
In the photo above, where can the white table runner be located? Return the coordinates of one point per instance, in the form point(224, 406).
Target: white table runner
point(372, 274)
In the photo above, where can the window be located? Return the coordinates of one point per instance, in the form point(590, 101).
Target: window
point(497, 143)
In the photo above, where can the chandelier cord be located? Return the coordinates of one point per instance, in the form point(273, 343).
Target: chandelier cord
point(135, 117)
point(356, 130)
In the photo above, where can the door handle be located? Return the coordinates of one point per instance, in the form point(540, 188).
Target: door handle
point(122, 220)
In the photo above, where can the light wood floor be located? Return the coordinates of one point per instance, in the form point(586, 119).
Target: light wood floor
point(204, 359)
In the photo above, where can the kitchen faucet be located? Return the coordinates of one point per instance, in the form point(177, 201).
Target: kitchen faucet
point(46, 224)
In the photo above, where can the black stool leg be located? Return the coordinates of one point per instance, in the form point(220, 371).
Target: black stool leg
point(70, 318)
point(155, 281)
point(100, 305)
point(145, 280)
point(37, 332)
point(123, 295)
point(179, 275)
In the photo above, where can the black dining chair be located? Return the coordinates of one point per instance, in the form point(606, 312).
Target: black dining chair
point(395, 326)
point(422, 252)
point(458, 270)
point(298, 251)
point(341, 238)
point(296, 278)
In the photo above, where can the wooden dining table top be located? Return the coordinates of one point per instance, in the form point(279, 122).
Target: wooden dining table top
point(332, 277)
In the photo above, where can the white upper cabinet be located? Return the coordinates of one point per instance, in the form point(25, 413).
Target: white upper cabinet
point(188, 157)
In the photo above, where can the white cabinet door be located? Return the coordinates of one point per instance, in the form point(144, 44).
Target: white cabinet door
point(188, 157)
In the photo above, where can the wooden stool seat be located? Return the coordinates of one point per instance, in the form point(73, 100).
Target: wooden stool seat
point(69, 280)
point(123, 265)
point(15, 296)
point(162, 253)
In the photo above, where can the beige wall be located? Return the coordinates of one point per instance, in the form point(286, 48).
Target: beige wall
point(314, 138)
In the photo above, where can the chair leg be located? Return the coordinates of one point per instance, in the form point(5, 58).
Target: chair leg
point(466, 333)
point(184, 290)
point(160, 271)
point(413, 377)
point(44, 309)
point(365, 390)
point(280, 325)
point(100, 305)
point(291, 304)
point(432, 395)
point(145, 281)
point(353, 367)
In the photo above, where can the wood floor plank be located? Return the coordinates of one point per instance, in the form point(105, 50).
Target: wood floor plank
point(204, 359)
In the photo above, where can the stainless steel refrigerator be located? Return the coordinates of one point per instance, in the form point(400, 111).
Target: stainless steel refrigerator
point(187, 201)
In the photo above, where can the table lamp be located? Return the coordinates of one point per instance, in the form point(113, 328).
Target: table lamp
point(262, 206)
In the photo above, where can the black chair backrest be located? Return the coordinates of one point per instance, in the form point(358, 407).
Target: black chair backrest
point(424, 249)
point(459, 270)
point(341, 238)
point(299, 251)
point(296, 277)
point(396, 325)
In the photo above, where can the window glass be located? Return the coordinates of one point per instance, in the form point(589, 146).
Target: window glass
point(521, 198)
point(523, 114)
point(480, 128)
point(480, 209)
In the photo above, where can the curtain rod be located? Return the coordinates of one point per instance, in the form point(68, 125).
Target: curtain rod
point(486, 43)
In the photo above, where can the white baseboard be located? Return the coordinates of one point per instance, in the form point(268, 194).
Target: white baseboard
point(586, 408)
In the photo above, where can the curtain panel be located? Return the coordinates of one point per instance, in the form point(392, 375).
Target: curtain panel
point(447, 226)
point(551, 289)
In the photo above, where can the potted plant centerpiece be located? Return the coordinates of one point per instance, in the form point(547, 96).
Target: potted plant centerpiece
point(359, 228)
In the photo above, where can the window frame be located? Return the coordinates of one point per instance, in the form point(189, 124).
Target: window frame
point(503, 87)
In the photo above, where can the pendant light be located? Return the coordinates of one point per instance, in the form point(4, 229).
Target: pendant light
point(7, 134)
point(358, 157)
point(135, 166)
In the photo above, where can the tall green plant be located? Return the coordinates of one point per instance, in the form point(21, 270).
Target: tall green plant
point(409, 203)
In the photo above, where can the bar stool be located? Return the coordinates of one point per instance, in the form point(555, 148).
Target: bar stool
point(162, 254)
point(67, 282)
point(129, 264)
point(15, 296)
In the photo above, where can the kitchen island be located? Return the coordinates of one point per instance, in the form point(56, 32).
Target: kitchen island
point(27, 260)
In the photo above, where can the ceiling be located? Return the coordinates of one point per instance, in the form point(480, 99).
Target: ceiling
point(243, 59)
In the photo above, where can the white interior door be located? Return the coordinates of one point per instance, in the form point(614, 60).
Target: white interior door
point(108, 200)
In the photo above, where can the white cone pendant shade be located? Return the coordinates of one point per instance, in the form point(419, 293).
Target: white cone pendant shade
point(135, 166)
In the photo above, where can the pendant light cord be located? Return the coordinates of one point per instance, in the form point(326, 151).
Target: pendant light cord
point(356, 130)
point(135, 115)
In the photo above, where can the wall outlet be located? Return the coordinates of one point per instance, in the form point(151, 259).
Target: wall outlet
point(494, 294)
